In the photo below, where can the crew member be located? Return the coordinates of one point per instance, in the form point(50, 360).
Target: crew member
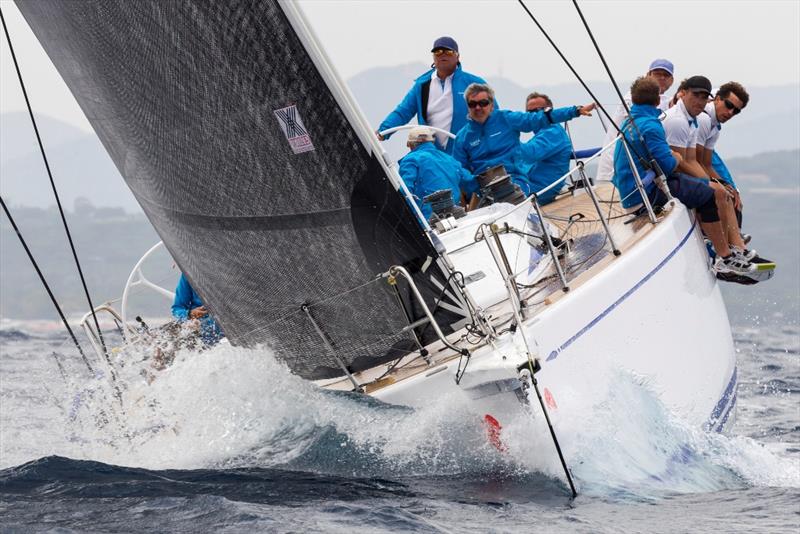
point(662, 71)
point(425, 170)
point(491, 137)
point(548, 153)
point(648, 139)
point(437, 97)
point(187, 307)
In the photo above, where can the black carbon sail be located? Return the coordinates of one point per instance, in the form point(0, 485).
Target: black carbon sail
point(250, 164)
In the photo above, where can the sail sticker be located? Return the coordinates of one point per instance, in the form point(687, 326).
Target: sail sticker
point(294, 129)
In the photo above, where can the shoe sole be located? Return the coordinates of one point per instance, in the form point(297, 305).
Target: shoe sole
point(738, 279)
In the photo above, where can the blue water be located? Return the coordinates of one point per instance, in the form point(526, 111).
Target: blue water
point(228, 440)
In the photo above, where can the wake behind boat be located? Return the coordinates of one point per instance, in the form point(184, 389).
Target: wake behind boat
point(257, 169)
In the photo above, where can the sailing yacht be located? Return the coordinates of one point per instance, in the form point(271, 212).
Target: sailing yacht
point(267, 186)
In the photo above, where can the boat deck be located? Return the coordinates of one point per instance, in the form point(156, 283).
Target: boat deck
point(589, 253)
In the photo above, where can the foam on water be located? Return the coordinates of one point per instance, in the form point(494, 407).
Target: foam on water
point(230, 407)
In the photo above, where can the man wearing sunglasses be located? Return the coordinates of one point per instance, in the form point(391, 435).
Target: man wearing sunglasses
point(491, 137)
point(548, 153)
point(682, 129)
point(730, 101)
point(437, 97)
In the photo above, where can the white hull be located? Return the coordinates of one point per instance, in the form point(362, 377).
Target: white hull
point(656, 312)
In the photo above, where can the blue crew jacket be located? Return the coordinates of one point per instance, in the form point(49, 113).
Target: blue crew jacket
point(185, 301)
point(722, 169)
point(479, 147)
point(655, 140)
point(426, 170)
point(548, 155)
point(411, 104)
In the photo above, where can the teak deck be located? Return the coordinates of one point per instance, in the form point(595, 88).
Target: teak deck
point(558, 214)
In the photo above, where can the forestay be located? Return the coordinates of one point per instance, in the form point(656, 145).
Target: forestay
point(245, 162)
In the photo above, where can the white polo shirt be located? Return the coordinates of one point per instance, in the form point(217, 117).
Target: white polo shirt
point(440, 106)
point(680, 127)
point(708, 127)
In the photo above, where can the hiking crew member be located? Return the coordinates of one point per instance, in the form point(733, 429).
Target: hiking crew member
point(693, 192)
point(662, 71)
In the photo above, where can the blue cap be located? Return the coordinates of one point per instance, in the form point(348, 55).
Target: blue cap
point(662, 64)
point(445, 42)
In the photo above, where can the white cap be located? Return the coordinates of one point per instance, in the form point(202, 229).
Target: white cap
point(420, 134)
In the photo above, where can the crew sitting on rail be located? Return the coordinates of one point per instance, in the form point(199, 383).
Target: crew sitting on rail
point(437, 97)
point(681, 124)
point(548, 153)
point(491, 137)
point(425, 170)
point(648, 140)
point(730, 100)
point(188, 308)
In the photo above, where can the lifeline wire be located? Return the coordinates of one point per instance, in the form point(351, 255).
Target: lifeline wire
point(46, 286)
point(645, 163)
point(55, 192)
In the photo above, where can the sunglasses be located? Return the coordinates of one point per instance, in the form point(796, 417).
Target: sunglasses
point(731, 107)
point(534, 110)
point(479, 103)
point(444, 52)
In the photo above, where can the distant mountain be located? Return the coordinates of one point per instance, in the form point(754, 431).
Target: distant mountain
point(80, 165)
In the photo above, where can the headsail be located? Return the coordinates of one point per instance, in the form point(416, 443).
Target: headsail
point(229, 128)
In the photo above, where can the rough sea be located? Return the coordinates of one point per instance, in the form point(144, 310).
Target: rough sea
point(228, 440)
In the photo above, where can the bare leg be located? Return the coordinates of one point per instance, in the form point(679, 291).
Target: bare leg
point(716, 234)
point(727, 216)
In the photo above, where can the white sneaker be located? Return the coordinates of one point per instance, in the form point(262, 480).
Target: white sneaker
point(733, 264)
point(762, 264)
point(747, 253)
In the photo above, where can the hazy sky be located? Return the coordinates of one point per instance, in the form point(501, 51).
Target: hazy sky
point(755, 42)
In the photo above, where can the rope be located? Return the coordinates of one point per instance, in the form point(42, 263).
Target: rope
point(586, 87)
point(55, 191)
point(46, 286)
point(611, 77)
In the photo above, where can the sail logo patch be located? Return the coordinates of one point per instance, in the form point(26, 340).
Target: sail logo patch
point(294, 129)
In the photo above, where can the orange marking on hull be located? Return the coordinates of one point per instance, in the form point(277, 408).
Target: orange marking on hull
point(493, 430)
point(549, 399)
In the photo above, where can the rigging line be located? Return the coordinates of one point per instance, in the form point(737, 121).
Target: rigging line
point(46, 286)
point(645, 163)
point(602, 57)
point(610, 76)
point(55, 191)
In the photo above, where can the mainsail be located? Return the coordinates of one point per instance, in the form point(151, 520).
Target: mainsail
point(230, 129)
